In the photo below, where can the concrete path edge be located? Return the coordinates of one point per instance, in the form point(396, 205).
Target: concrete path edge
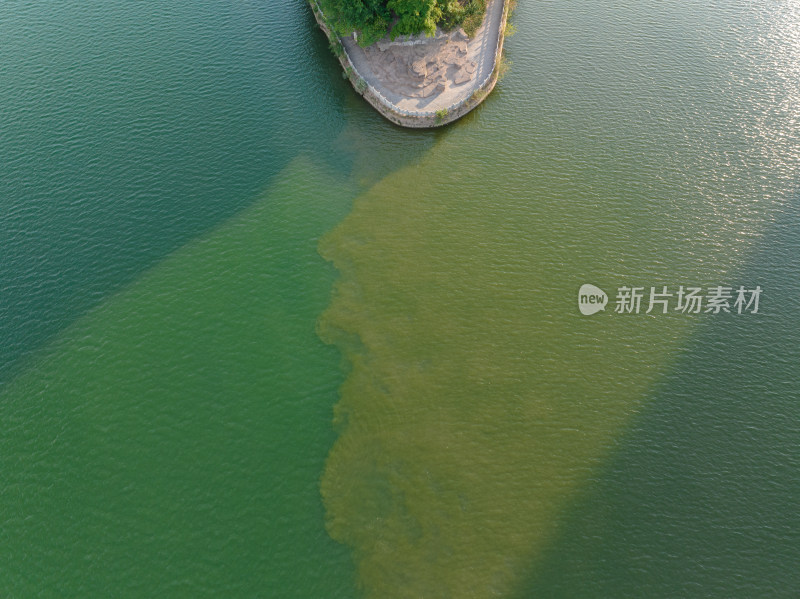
point(415, 121)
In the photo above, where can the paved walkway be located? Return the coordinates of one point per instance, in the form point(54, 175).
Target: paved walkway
point(371, 64)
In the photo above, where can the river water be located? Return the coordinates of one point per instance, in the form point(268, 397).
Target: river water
point(208, 241)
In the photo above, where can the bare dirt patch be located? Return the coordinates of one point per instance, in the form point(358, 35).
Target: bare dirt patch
point(422, 67)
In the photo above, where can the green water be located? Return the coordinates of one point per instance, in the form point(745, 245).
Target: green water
point(172, 182)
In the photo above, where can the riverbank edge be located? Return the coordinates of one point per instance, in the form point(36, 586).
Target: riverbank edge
point(404, 120)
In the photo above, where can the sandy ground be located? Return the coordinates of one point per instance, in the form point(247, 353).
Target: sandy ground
point(430, 73)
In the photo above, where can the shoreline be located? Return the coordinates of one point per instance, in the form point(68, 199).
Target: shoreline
point(417, 119)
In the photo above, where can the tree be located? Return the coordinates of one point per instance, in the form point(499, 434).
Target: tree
point(415, 16)
point(371, 18)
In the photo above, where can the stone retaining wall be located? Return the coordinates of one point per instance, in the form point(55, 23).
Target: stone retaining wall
point(406, 118)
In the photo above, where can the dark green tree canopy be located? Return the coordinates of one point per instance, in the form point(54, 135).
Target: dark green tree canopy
point(373, 19)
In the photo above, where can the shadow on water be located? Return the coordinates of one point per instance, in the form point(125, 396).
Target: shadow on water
point(149, 163)
point(700, 500)
point(173, 438)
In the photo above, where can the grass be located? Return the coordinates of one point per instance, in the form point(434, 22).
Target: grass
point(336, 47)
point(478, 95)
point(474, 13)
point(503, 66)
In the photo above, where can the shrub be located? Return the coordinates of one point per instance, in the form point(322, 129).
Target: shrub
point(372, 18)
point(478, 95)
point(336, 47)
point(503, 66)
point(473, 16)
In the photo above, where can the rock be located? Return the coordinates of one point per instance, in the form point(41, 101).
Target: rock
point(459, 35)
point(419, 68)
point(461, 76)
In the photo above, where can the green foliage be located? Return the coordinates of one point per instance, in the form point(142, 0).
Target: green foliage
point(415, 16)
point(510, 27)
point(473, 16)
point(371, 19)
point(503, 66)
point(441, 114)
point(372, 31)
point(478, 95)
point(361, 85)
point(336, 47)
